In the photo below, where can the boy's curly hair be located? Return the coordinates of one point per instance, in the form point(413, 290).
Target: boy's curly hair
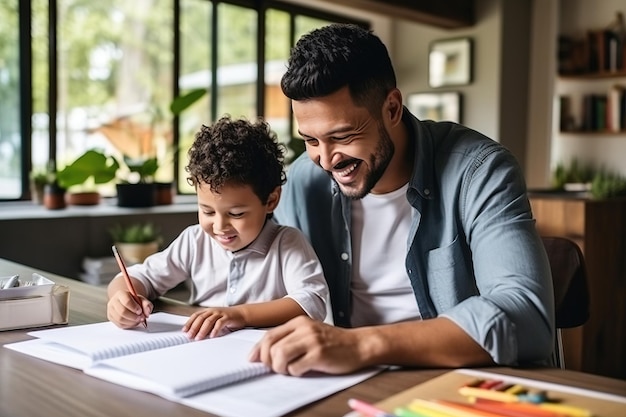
point(239, 152)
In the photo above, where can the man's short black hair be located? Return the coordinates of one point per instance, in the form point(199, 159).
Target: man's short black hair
point(338, 55)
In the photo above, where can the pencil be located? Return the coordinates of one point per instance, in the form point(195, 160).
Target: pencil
point(129, 283)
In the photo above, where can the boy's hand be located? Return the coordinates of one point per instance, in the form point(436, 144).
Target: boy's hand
point(213, 322)
point(124, 311)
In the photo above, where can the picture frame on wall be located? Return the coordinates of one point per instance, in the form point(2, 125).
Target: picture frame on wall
point(444, 106)
point(450, 62)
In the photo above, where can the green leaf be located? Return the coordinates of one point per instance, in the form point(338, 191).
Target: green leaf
point(92, 164)
point(180, 103)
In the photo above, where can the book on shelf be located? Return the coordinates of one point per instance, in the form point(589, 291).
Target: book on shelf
point(213, 375)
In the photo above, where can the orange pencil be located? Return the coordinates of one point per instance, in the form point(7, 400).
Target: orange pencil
point(129, 283)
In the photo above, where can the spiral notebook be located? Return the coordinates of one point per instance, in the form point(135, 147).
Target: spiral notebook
point(212, 375)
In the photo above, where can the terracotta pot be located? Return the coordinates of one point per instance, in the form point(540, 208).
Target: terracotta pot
point(134, 253)
point(54, 197)
point(83, 199)
point(164, 193)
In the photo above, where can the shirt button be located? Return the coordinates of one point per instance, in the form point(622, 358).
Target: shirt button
point(426, 191)
point(232, 290)
point(341, 314)
point(410, 271)
point(344, 256)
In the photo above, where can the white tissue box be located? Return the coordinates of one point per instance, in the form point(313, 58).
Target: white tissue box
point(41, 304)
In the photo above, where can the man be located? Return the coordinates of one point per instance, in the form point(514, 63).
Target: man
point(424, 229)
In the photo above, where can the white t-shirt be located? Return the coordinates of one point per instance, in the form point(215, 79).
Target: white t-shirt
point(279, 263)
point(381, 290)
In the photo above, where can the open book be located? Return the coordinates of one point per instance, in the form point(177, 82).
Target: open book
point(212, 375)
point(82, 346)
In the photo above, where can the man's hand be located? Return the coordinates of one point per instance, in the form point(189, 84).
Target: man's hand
point(302, 345)
point(125, 312)
point(213, 322)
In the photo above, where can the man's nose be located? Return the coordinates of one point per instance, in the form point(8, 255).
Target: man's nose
point(324, 156)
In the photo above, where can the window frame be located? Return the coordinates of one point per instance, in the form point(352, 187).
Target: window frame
point(26, 70)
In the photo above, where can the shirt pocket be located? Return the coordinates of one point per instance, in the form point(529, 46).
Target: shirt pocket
point(449, 276)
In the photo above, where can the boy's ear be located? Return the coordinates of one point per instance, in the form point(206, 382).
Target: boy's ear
point(273, 199)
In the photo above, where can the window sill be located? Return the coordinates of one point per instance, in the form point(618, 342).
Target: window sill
point(108, 207)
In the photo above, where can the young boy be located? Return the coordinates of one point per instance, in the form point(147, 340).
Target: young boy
point(246, 269)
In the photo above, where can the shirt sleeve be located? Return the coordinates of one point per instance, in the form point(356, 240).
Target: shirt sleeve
point(302, 273)
point(513, 316)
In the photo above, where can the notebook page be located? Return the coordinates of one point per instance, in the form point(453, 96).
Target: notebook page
point(184, 370)
point(81, 346)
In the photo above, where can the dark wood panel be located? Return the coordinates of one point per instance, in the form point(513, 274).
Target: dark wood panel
point(451, 14)
point(599, 228)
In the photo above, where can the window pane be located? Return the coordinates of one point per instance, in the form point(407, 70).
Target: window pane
point(39, 121)
point(115, 78)
point(277, 46)
point(195, 50)
point(10, 134)
point(237, 61)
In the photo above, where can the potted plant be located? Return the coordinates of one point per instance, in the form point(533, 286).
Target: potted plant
point(139, 189)
point(136, 241)
point(81, 176)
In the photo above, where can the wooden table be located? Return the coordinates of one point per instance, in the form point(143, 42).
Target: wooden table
point(32, 387)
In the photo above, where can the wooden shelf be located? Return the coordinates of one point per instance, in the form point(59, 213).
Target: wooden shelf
point(590, 133)
point(593, 76)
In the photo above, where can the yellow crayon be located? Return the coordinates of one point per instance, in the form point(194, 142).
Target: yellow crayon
point(416, 407)
point(515, 389)
point(488, 394)
point(569, 410)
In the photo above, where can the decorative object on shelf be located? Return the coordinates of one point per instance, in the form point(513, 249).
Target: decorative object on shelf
point(54, 196)
point(436, 106)
point(139, 189)
point(450, 62)
point(38, 178)
point(597, 184)
point(136, 241)
point(599, 52)
point(82, 176)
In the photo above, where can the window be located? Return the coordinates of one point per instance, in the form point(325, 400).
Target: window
point(108, 76)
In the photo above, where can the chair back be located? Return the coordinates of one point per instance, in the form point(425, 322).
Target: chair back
point(571, 293)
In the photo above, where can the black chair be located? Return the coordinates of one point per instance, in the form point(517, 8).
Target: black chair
point(571, 293)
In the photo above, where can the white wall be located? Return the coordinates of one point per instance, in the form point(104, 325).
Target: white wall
point(481, 96)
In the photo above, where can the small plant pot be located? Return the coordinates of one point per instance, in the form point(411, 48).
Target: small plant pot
point(134, 253)
point(54, 197)
point(135, 195)
point(164, 193)
point(83, 199)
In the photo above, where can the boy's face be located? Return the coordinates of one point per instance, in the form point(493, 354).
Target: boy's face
point(235, 216)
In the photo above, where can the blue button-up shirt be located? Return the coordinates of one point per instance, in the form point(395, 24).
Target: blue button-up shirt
point(474, 254)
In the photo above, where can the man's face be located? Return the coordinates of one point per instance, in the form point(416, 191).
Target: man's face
point(345, 141)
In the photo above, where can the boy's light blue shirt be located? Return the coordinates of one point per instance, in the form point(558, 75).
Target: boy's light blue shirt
point(474, 254)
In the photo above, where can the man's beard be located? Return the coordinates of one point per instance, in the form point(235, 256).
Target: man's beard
point(379, 161)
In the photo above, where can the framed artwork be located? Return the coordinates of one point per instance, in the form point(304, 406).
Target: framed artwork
point(436, 106)
point(450, 62)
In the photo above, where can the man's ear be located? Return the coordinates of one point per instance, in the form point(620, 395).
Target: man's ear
point(393, 107)
point(273, 199)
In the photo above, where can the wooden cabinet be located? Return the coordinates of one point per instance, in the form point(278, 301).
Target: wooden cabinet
point(599, 228)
